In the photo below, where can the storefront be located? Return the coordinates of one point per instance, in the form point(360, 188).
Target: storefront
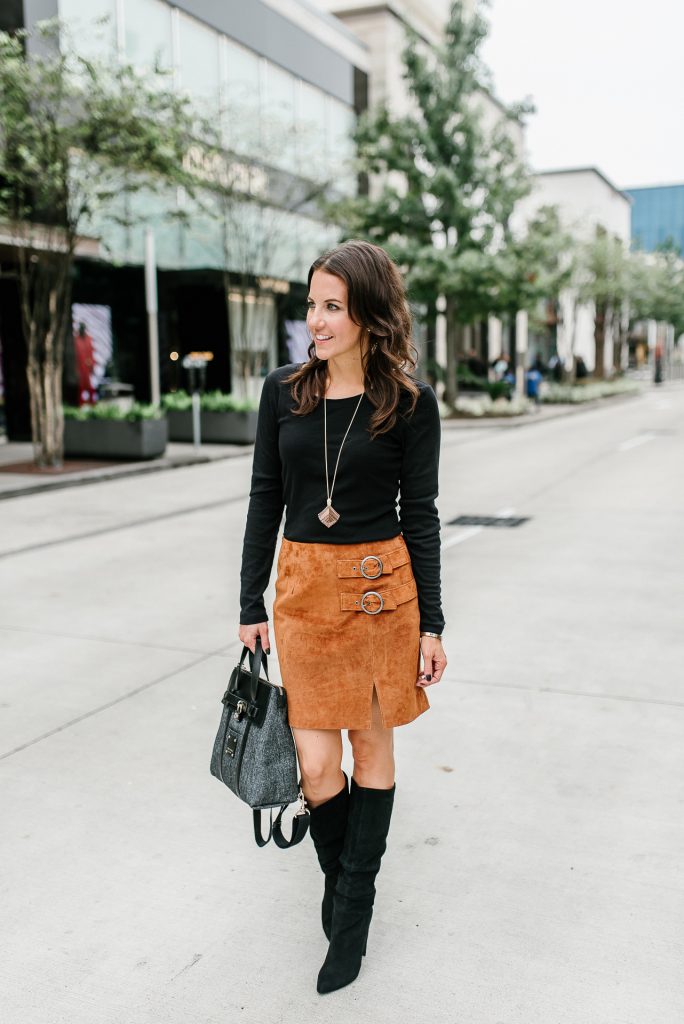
point(287, 85)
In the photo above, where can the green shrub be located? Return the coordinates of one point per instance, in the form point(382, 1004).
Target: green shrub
point(218, 401)
point(484, 406)
point(104, 411)
point(176, 401)
point(211, 401)
point(574, 394)
point(471, 382)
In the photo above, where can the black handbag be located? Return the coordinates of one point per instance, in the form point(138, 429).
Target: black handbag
point(254, 752)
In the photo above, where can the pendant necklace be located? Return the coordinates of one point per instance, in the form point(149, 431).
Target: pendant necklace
point(328, 516)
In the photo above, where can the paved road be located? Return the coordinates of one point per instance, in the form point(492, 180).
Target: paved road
point(534, 874)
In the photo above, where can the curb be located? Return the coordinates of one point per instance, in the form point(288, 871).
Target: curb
point(96, 476)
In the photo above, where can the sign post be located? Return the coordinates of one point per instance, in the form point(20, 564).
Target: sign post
point(196, 365)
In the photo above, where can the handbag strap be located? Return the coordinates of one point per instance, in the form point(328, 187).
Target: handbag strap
point(300, 826)
point(255, 662)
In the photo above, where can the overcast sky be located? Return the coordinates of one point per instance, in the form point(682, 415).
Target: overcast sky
point(606, 77)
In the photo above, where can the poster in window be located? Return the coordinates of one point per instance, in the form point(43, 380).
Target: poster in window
point(92, 340)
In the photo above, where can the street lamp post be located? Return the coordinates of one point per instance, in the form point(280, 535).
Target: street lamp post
point(152, 307)
point(521, 323)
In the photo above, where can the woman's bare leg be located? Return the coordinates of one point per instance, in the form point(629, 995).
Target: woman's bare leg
point(373, 752)
point(320, 761)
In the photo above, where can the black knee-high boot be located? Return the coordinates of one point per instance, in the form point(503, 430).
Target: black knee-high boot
point(327, 825)
point(370, 811)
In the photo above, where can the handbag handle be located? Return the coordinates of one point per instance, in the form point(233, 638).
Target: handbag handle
point(255, 662)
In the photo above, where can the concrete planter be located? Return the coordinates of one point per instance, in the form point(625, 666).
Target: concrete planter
point(116, 439)
point(215, 427)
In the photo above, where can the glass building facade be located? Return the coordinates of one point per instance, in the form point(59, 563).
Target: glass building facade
point(283, 83)
point(271, 119)
point(657, 216)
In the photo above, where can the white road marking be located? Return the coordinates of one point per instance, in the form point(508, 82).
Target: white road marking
point(634, 442)
point(472, 531)
point(458, 538)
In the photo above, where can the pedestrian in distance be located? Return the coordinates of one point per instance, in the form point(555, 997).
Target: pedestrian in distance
point(358, 602)
point(501, 367)
point(533, 383)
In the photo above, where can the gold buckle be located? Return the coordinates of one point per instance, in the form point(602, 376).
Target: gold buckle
point(372, 593)
point(373, 558)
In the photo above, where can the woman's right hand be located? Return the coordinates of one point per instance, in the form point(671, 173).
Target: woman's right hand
point(248, 635)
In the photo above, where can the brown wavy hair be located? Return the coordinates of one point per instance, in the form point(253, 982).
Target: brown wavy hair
point(376, 298)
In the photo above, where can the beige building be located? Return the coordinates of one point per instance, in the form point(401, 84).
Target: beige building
point(586, 201)
point(381, 27)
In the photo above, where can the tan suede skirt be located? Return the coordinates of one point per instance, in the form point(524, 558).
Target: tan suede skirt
point(346, 621)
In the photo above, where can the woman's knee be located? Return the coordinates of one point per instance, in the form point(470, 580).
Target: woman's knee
point(320, 764)
point(317, 773)
point(373, 752)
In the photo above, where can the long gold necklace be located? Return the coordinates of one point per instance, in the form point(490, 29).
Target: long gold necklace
point(328, 516)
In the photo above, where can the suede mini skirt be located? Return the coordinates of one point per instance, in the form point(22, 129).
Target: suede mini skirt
point(346, 622)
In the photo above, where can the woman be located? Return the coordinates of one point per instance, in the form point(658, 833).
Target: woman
point(357, 590)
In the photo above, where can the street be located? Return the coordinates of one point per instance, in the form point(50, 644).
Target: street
point(535, 869)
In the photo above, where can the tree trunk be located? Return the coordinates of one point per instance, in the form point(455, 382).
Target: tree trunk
point(452, 335)
point(47, 417)
point(570, 375)
point(618, 341)
point(46, 309)
point(599, 340)
point(512, 342)
point(431, 343)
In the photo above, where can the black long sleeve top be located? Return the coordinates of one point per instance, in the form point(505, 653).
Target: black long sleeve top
point(384, 486)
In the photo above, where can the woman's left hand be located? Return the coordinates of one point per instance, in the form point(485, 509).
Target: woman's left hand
point(434, 661)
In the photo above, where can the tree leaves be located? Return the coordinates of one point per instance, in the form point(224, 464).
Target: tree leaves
point(75, 135)
point(449, 184)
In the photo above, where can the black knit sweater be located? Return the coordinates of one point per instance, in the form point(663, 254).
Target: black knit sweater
point(289, 472)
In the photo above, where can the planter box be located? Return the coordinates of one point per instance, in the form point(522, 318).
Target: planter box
point(116, 439)
point(215, 427)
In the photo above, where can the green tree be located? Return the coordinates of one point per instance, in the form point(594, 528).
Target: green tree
point(665, 291)
point(532, 267)
point(75, 134)
point(603, 279)
point(443, 186)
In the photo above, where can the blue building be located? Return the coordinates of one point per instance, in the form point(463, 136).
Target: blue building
point(657, 215)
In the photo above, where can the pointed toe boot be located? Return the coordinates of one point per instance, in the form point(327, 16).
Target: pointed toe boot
point(370, 811)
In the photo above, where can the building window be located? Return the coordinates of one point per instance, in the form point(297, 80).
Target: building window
point(313, 133)
point(89, 38)
point(199, 63)
point(240, 98)
point(278, 117)
point(341, 146)
point(147, 25)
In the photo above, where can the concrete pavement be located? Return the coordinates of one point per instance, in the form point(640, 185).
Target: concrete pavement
point(534, 871)
point(27, 480)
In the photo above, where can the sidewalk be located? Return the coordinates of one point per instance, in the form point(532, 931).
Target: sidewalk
point(87, 471)
point(533, 872)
